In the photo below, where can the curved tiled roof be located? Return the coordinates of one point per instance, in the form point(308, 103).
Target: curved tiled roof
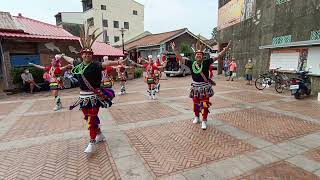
point(103, 49)
point(33, 29)
point(153, 39)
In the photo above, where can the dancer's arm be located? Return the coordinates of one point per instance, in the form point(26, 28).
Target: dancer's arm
point(176, 52)
point(113, 63)
point(136, 64)
point(37, 66)
point(67, 58)
point(163, 65)
point(223, 52)
point(65, 67)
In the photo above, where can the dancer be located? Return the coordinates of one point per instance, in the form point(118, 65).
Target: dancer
point(158, 73)
point(55, 73)
point(150, 68)
point(107, 79)
point(88, 72)
point(201, 89)
point(121, 70)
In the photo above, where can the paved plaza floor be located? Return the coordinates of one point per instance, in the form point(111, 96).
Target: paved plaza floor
point(251, 135)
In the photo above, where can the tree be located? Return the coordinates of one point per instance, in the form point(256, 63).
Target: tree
point(214, 33)
point(185, 49)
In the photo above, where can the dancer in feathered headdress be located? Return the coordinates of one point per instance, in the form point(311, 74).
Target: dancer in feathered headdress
point(54, 71)
point(92, 96)
point(201, 89)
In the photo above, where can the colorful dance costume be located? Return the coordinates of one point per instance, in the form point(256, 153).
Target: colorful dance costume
point(55, 82)
point(92, 96)
point(150, 79)
point(122, 77)
point(157, 74)
point(201, 88)
point(107, 80)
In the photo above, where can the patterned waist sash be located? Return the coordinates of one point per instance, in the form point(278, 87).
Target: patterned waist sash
point(89, 99)
point(201, 90)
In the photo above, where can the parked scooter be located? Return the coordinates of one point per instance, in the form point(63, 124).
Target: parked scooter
point(302, 85)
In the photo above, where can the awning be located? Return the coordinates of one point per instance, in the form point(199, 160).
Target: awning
point(293, 44)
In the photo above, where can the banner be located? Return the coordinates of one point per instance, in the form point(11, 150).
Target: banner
point(234, 12)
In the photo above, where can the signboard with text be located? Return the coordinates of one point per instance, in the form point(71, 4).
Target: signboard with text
point(234, 12)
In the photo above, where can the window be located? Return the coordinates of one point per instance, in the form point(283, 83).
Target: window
point(86, 5)
point(90, 21)
point(105, 23)
point(135, 12)
point(116, 24)
point(58, 19)
point(105, 36)
point(126, 25)
point(103, 7)
point(116, 39)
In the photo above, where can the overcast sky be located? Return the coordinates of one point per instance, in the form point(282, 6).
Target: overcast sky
point(160, 15)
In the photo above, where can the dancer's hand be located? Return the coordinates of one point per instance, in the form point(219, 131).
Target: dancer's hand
point(173, 46)
point(58, 56)
point(229, 45)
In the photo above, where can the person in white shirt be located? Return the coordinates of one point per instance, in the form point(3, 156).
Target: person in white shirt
point(27, 79)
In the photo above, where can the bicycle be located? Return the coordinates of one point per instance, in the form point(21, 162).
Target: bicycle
point(267, 79)
point(282, 83)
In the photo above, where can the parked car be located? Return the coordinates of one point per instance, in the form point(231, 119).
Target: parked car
point(215, 65)
point(175, 68)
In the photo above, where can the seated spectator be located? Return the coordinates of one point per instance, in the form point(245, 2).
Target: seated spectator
point(28, 80)
point(69, 75)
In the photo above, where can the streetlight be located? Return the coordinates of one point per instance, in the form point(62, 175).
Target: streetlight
point(122, 33)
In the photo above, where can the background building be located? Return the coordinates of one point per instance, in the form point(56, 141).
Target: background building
point(24, 40)
point(109, 15)
point(276, 33)
point(156, 44)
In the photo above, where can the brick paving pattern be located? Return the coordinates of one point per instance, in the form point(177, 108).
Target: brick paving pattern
point(314, 154)
point(309, 109)
point(174, 147)
point(221, 89)
point(58, 160)
point(251, 97)
point(167, 146)
point(279, 170)
point(273, 127)
point(174, 93)
point(43, 125)
point(141, 112)
point(217, 103)
point(7, 108)
point(131, 97)
point(47, 105)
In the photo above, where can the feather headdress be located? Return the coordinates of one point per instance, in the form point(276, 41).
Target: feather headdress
point(87, 40)
point(200, 47)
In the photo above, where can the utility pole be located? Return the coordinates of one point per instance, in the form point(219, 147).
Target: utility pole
point(122, 34)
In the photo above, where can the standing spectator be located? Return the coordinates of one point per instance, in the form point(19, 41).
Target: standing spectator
point(225, 67)
point(249, 71)
point(27, 79)
point(232, 69)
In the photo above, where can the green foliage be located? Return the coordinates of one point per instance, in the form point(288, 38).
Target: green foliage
point(214, 33)
point(138, 72)
point(36, 73)
point(184, 48)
